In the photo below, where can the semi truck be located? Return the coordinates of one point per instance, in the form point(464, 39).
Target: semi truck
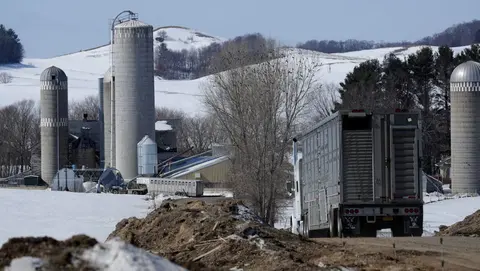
point(358, 172)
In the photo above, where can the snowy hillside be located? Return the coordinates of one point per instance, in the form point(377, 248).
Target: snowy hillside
point(84, 68)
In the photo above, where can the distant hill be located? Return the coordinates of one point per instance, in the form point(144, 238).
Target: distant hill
point(457, 35)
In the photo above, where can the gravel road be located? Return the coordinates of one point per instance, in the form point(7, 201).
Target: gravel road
point(459, 253)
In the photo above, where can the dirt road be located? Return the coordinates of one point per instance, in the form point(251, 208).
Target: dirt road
point(459, 253)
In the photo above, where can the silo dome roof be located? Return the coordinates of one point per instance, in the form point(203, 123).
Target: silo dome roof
point(132, 24)
point(53, 72)
point(107, 77)
point(466, 72)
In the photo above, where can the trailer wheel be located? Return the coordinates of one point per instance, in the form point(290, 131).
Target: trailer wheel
point(333, 223)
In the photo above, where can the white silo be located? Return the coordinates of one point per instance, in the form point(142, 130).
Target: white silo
point(465, 127)
point(134, 92)
point(53, 122)
point(109, 118)
point(147, 157)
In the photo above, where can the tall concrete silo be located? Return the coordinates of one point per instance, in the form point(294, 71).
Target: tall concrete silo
point(134, 92)
point(109, 118)
point(101, 120)
point(53, 122)
point(465, 127)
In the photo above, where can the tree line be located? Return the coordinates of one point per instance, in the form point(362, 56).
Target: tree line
point(196, 63)
point(11, 49)
point(419, 81)
point(454, 36)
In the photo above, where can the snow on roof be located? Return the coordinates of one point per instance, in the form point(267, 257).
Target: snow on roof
point(200, 166)
point(162, 125)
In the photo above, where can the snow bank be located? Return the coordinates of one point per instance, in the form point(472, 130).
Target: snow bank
point(115, 255)
point(155, 203)
point(25, 264)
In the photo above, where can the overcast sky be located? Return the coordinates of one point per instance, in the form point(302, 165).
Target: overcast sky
point(52, 27)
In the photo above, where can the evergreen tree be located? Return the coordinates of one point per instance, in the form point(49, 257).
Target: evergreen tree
point(472, 53)
point(361, 88)
point(11, 49)
point(422, 69)
point(444, 65)
point(397, 83)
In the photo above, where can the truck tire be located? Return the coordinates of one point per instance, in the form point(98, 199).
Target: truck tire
point(333, 223)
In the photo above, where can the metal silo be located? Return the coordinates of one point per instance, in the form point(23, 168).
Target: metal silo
point(134, 92)
point(109, 118)
point(53, 122)
point(147, 157)
point(465, 127)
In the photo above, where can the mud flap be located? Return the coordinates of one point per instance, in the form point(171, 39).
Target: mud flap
point(413, 222)
point(350, 225)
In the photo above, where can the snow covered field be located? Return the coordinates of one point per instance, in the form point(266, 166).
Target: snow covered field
point(63, 214)
point(84, 68)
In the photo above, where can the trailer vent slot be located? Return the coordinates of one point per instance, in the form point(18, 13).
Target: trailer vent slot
point(357, 165)
point(404, 163)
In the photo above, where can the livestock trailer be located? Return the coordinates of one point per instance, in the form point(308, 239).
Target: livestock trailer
point(190, 188)
point(359, 172)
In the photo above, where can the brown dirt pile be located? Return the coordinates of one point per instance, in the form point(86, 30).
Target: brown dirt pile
point(222, 235)
point(59, 255)
point(470, 226)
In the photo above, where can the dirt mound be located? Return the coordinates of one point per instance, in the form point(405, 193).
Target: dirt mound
point(470, 226)
point(224, 235)
point(59, 254)
point(78, 253)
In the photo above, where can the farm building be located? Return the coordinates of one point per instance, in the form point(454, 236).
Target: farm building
point(212, 170)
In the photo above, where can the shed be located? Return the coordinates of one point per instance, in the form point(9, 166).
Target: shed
point(214, 172)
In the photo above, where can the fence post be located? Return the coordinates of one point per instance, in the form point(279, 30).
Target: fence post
point(443, 259)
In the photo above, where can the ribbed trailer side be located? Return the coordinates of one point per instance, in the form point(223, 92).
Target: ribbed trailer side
point(320, 172)
point(361, 173)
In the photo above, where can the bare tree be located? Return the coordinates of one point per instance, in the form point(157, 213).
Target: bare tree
point(164, 113)
point(89, 105)
point(199, 132)
point(258, 107)
point(322, 101)
point(5, 78)
point(21, 137)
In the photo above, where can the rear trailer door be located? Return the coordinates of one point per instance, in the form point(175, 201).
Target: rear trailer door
point(357, 158)
point(404, 155)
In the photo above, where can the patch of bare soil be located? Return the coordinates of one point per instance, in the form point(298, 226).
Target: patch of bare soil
point(470, 226)
point(59, 255)
point(223, 235)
